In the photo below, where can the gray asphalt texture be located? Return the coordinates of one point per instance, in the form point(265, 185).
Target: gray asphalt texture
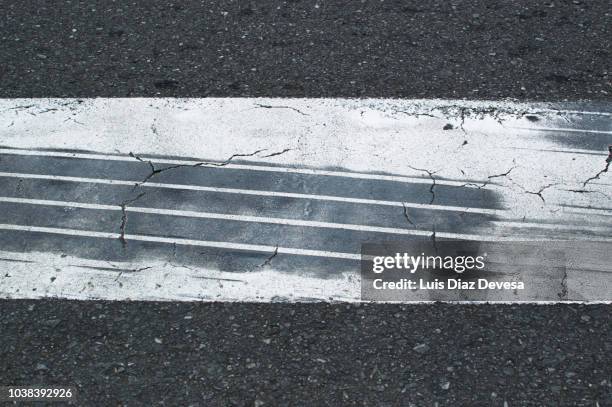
point(309, 354)
point(551, 50)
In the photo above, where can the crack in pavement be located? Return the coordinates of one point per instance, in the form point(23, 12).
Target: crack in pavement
point(269, 259)
point(406, 214)
point(415, 114)
point(277, 153)
point(155, 171)
point(563, 293)
point(121, 271)
point(588, 191)
point(489, 178)
point(123, 225)
point(229, 160)
point(141, 160)
point(433, 239)
point(606, 168)
point(539, 192)
point(281, 107)
point(475, 185)
point(504, 174)
point(433, 181)
point(20, 107)
point(233, 280)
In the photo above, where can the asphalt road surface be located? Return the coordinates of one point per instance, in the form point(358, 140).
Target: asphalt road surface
point(549, 50)
point(129, 353)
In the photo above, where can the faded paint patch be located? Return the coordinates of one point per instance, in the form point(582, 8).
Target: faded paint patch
point(276, 188)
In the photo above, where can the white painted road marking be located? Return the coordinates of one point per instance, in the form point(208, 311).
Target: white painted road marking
point(315, 224)
point(186, 242)
point(561, 130)
point(267, 187)
point(250, 192)
point(156, 160)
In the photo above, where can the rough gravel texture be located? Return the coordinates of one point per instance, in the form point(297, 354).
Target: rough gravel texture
point(309, 354)
point(259, 355)
point(548, 50)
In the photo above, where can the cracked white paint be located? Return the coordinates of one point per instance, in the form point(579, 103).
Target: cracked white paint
point(491, 146)
point(47, 275)
point(387, 136)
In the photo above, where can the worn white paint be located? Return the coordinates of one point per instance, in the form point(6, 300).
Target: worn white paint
point(77, 278)
point(186, 242)
point(40, 275)
point(372, 139)
point(333, 225)
point(250, 192)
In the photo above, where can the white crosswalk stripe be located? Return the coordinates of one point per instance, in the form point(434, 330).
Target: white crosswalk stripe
point(283, 197)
